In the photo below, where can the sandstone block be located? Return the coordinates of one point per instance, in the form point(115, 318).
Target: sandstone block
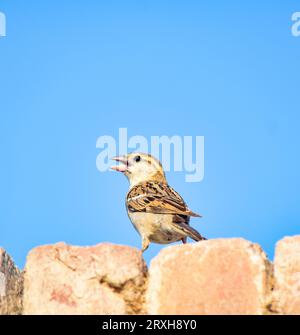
point(11, 285)
point(287, 276)
point(102, 279)
point(222, 276)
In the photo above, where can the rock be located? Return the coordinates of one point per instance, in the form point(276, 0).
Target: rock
point(103, 279)
point(287, 276)
point(11, 285)
point(222, 276)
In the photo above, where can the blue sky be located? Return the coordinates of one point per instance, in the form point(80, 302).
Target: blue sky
point(73, 71)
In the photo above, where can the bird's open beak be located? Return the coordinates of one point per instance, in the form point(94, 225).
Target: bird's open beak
point(121, 167)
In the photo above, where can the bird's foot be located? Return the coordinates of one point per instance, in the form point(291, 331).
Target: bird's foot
point(145, 244)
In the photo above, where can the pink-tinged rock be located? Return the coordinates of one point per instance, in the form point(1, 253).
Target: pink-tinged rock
point(287, 276)
point(11, 285)
point(222, 276)
point(103, 279)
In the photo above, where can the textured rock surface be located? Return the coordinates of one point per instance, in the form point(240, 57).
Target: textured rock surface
point(287, 276)
point(223, 276)
point(104, 279)
point(11, 285)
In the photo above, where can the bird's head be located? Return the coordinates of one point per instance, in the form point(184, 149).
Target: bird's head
point(139, 167)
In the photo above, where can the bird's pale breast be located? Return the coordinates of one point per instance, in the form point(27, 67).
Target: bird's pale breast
point(156, 227)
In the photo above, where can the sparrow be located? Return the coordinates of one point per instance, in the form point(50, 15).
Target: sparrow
point(156, 210)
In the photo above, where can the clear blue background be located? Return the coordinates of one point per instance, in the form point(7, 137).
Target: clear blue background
point(71, 71)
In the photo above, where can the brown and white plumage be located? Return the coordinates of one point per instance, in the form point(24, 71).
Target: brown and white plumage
point(156, 210)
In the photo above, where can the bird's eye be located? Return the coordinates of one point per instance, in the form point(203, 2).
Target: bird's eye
point(137, 158)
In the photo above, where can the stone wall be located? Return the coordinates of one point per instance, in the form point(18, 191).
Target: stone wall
point(221, 276)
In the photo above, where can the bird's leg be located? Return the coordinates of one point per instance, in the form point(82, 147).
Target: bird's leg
point(145, 244)
point(183, 240)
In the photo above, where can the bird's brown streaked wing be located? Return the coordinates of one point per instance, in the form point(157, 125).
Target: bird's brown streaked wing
point(157, 198)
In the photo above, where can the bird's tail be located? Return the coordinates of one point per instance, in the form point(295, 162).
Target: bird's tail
point(188, 231)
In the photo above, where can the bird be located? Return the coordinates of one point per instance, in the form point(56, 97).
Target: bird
point(156, 210)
